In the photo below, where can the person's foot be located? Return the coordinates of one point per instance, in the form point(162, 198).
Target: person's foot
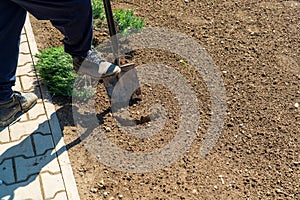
point(11, 109)
point(94, 66)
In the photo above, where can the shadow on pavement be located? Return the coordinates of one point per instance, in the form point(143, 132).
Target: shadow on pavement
point(21, 164)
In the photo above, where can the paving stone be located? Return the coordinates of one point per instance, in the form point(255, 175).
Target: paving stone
point(40, 125)
point(26, 167)
point(40, 100)
point(36, 90)
point(24, 59)
point(18, 148)
point(17, 86)
point(28, 83)
point(42, 143)
point(25, 70)
point(24, 48)
point(28, 147)
point(60, 196)
point(7, 172)
point(23, 38)
point(52, 183)
point(63, 158)
point(36, 111)
point(29, 189)
point(24, 118)
point(4, 135)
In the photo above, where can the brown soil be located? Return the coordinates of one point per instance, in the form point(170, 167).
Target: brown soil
point(256, 47)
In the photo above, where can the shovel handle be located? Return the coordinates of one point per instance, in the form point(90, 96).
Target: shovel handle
point(112, 30)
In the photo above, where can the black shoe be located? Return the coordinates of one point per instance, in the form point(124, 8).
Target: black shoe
point(94, 66)
point(20, 103)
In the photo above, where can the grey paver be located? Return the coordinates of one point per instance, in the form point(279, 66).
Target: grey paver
point(24, 59)
point(42, 143)
point(7, 172)
point(17, 86)
point(60, 195)
point(4, 136)
point(39, 125)
point(25, 167)
point(52, 183)
point(22, 147)
point(24, 118)
point(29, 189)
point(24, 48)
point(28, 83)
point(23, 38)
point(36, 90)
point(25, 70)
point(34, 162)
point(64, 161)
point(36, 111)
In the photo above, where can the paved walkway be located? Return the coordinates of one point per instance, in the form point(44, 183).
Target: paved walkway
point(34, 163)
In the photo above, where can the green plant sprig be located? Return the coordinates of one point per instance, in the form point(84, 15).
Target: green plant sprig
point(98, 13)
point(127, 22)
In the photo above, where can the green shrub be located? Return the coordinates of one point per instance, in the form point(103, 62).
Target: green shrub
point(126, 21)
point(56, 69)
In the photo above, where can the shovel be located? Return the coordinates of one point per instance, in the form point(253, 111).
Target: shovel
point(110, 82)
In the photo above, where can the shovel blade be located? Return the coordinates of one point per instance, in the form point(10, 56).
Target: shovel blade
point(125, 86)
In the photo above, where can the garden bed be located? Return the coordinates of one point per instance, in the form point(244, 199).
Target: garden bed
point(255, 46)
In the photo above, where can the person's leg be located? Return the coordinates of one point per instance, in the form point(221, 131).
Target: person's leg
point(12, 18)
point(73, 18)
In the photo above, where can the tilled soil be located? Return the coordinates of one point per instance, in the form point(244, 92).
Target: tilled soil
point(255, 46)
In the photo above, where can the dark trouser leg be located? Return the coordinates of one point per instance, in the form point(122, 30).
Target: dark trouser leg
point(72, 17)
point(12, 18)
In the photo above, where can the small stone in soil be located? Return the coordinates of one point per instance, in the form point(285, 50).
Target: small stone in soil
point(94, 190)
point(105, 194)
point(101, 184)
point(194, 191)
point(107, 129)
